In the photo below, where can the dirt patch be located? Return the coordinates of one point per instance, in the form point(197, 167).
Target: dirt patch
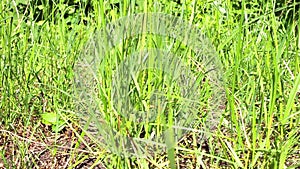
point(39, 147)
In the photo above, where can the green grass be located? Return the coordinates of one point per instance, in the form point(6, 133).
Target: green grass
point(257, 43)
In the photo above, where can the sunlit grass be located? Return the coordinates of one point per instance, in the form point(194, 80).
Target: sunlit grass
point(258, 48)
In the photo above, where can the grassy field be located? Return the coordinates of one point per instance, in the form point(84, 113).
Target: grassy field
point(41, 126)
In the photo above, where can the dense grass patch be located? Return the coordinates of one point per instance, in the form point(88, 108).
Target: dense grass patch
point(257, 42)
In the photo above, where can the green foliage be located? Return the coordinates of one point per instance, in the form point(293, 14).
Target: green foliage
point(53, 120)
point(257, 43)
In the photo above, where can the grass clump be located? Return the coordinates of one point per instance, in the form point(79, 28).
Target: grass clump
point(256, 42)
